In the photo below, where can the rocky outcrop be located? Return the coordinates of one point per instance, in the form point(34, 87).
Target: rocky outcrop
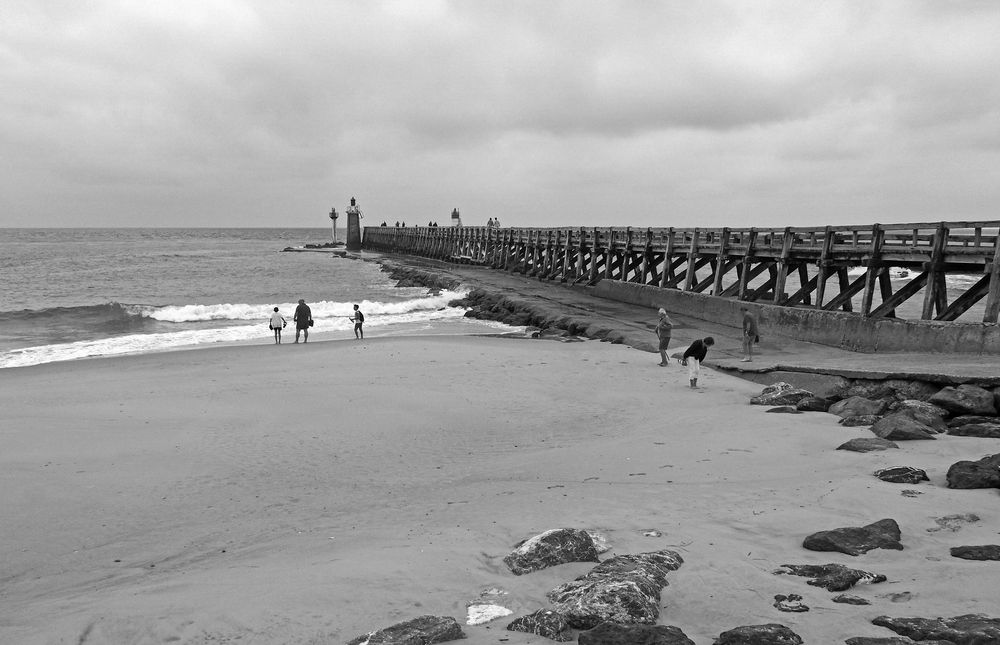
point(557, 546)
point(867, 444)
point(545, 623)
point(969, 629)
point(982, 552)
point(883, 534)
point(900, 426)
point(769, 634)
point(424, 630)
point(780, 393)
point(965, 399)
point(984, 473)
point(888, 390)
point(614, 634)
point(860, 420)
point(856, 406)
point(832, 577)
point(813, 404)
point(624, 589)
point(902, 475)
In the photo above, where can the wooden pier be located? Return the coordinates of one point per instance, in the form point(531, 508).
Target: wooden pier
point(869, 270)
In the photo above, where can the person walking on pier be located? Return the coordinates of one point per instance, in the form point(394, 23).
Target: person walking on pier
point(277, 324)
point(358, 319)
point(303, 320)
point(663, 330)
point(751, 334)
point(693, 357)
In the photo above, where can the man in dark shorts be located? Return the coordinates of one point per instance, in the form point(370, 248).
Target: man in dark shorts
point(359, 320)
point(303, 320)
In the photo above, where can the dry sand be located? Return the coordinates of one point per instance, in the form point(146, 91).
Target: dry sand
point(309, 494)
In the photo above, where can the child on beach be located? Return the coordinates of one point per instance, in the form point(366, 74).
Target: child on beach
point(750, 334)
point(693, 357)
point(358, 319)
point(663, 330)
point(277, 324)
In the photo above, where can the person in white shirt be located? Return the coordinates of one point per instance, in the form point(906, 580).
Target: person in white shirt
point(277, 324)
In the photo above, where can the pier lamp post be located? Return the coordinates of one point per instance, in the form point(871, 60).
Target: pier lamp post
point(333, 223)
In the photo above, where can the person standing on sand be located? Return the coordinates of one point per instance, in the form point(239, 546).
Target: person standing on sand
point(663, 330)
point(303, 320)
point(277, 323)
point(358, 319)
point(693, 357)
point(751, 334)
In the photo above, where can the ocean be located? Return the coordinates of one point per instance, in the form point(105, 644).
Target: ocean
point(77, 293)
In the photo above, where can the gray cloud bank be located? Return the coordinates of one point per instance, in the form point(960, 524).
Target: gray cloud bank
point(259, 113)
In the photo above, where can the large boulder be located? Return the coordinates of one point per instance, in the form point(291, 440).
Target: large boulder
point(923, 406)
point(969, 629)
point(615, 634)
point(856, 406)
point(556, 546)
point(900, 426)
point(867, 444)
point(981, 552)
point(902, 475)
point(813, 404)
point(855, 540)
point(780, 393)
point(984, 473)
point(965, 399)
point(624, 589)
point(545, 623)
point(986, 430)
point(933, 421)
point(423, 629)
point(832, 577)
point(769, 634)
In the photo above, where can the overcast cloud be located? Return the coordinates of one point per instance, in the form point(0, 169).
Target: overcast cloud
point(541, 113)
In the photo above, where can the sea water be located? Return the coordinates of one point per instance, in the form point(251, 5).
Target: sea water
point(76, 293)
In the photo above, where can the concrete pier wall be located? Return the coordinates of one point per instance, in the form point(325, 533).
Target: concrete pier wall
point(837, 329)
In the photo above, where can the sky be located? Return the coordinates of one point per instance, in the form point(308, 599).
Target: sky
point(264, 113)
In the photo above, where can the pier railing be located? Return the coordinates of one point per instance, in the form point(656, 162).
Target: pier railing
point(931, 271)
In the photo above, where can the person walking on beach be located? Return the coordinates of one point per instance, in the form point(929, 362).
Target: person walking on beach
point(663, 330)
point(277, 324)
point(693, 357)
point(359, 320)
point(751, 334)
point(303, 320)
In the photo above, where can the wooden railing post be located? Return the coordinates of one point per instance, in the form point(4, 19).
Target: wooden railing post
point(993, 295)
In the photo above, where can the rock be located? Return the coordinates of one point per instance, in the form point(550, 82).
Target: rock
point(933, 421)
point(953, 522)
point(899, 426)
point(902, 475)
point(965, 399)
point(813, 404)
point(545, 623)
point(769, 634)
point(848, 599)
point(832, 577)
point(883, 534)
point(860, 420)
point(624, 589)
point(857, 406)
point(890, 390)
point(867, 444)
point(424, 630)
point(984, 473)
point(966, 419)
point(909, 492)
point(790, 603)
point(785, 409)
point(892, 640)
point(969, 629)
point(922, 406)
point(983, 552)
point(614, 634)
point(986, 430)
point(557, 546)
point(780, 393)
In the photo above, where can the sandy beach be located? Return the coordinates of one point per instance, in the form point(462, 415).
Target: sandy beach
point(312, 493)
